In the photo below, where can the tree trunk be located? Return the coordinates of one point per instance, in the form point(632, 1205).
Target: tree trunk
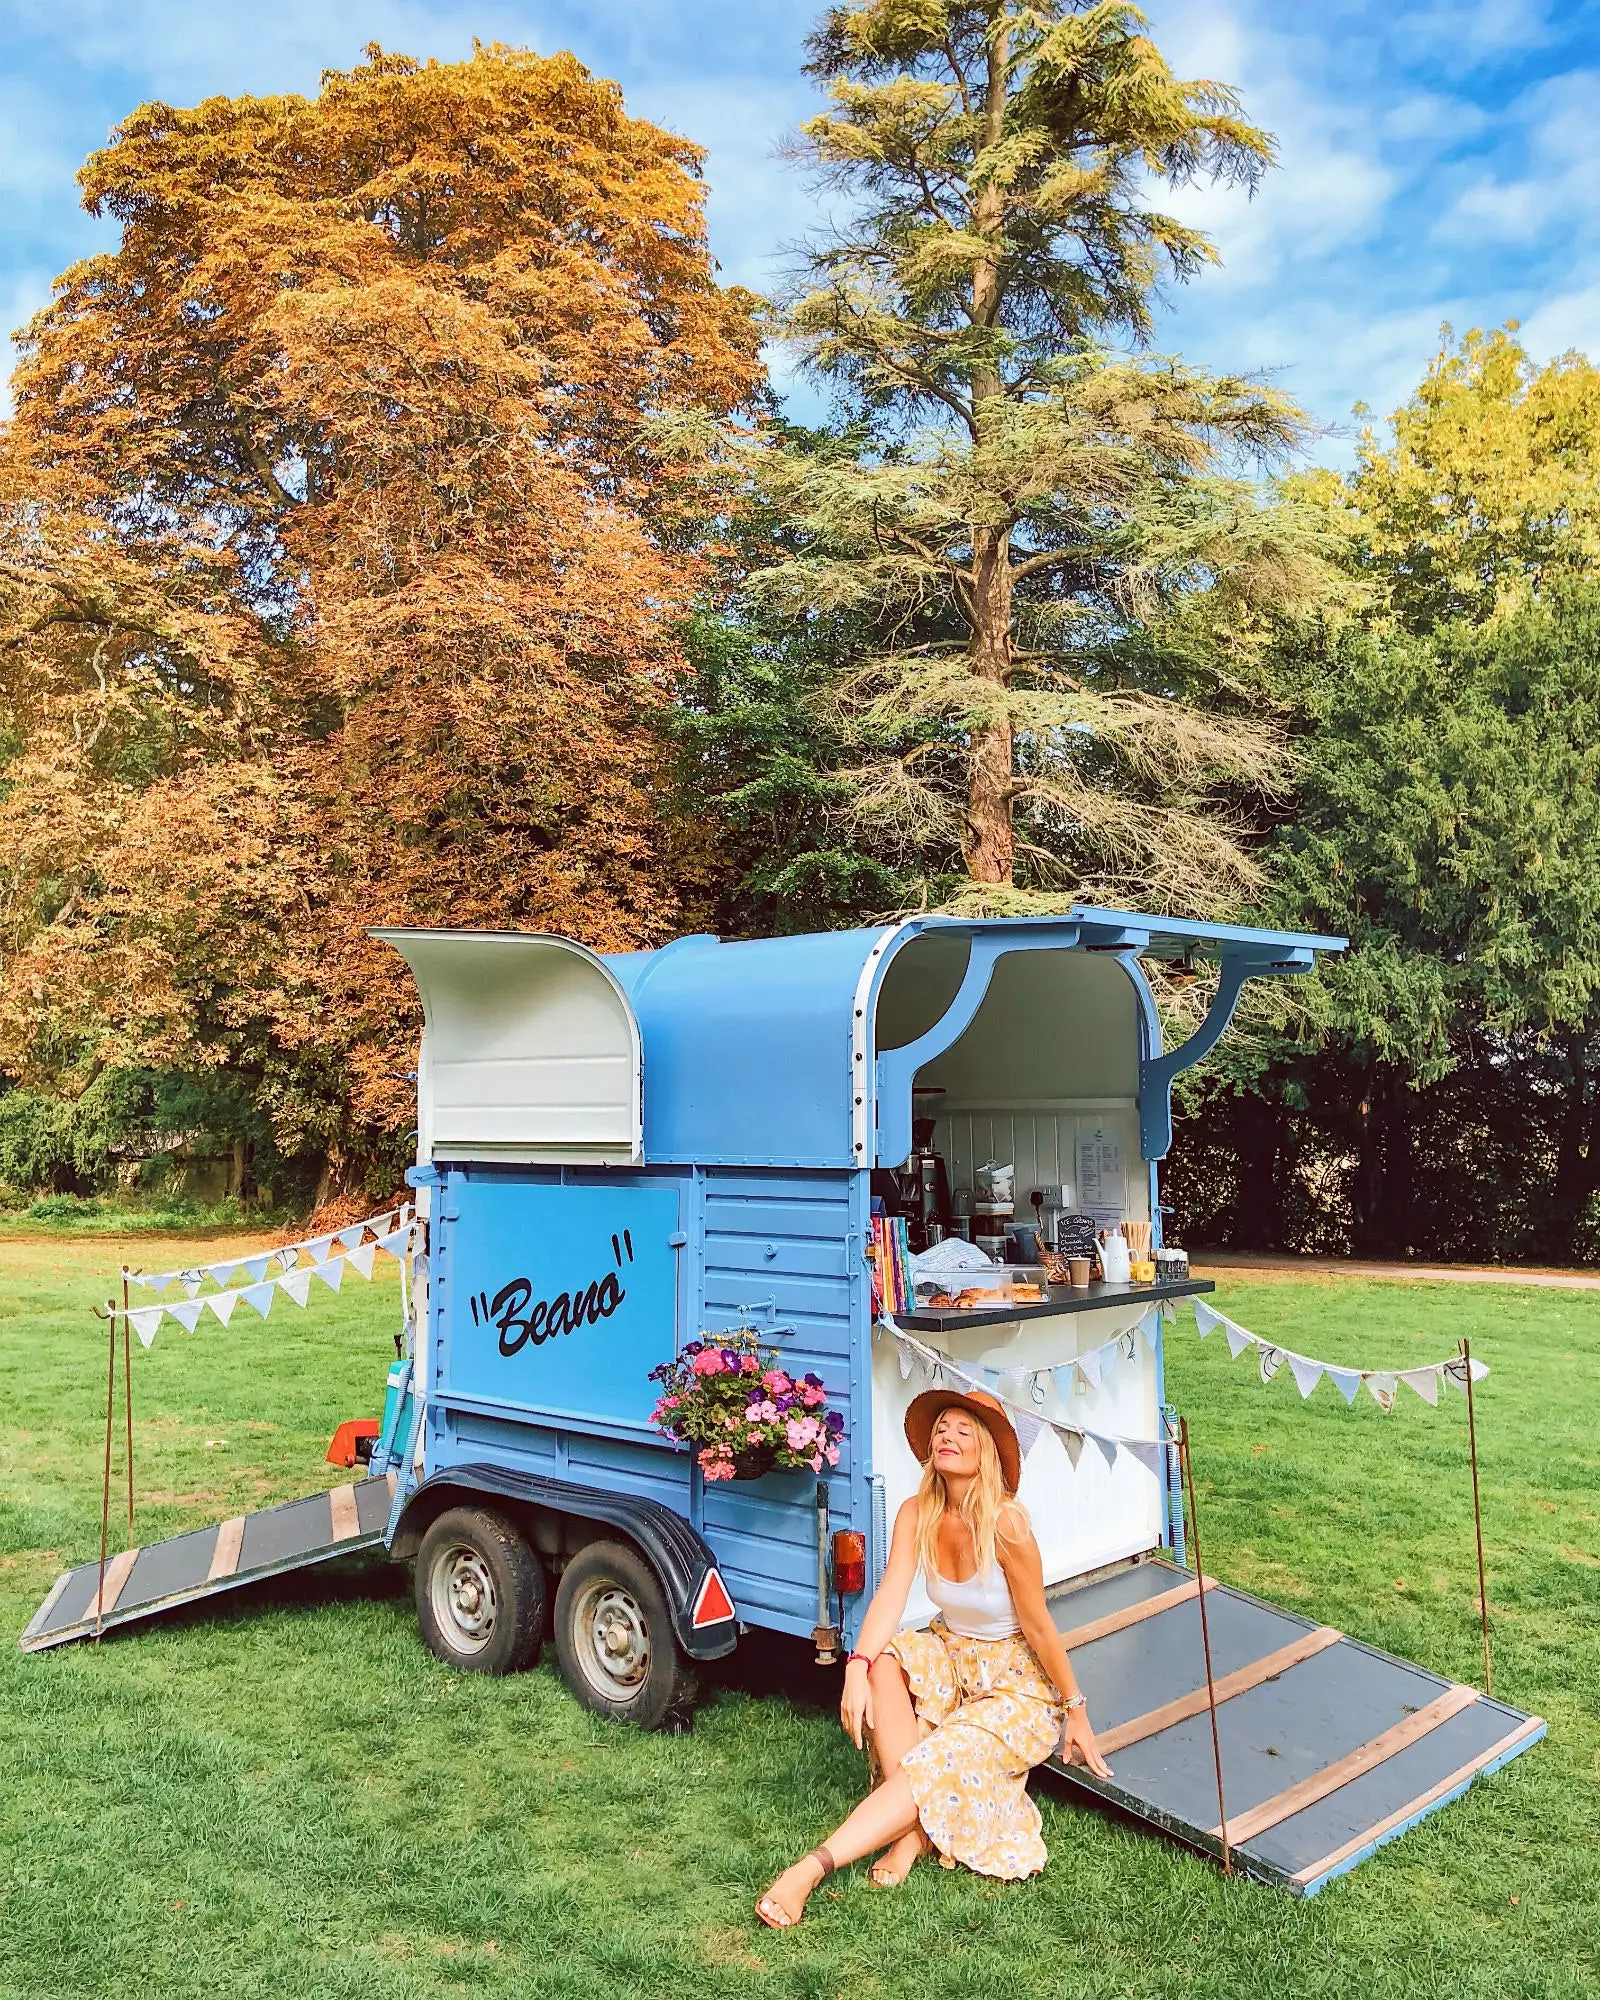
point(1577, 1174)
point(990, 845)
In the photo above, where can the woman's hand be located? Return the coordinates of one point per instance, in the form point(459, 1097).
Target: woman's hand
point(1078, 1745)
point(855, 1708)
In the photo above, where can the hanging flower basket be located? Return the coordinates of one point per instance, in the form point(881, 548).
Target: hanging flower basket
point(741, 1411)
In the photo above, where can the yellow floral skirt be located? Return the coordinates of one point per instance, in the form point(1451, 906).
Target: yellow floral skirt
point(989, 1713)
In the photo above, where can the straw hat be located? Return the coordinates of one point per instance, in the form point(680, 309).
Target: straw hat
point(924, 1410)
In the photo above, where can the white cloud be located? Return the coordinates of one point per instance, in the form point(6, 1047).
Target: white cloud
point(1569, 320)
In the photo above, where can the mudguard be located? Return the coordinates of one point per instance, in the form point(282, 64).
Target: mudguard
point(703, 1616)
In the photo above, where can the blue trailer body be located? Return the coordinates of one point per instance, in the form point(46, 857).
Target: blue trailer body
point(771, 1080)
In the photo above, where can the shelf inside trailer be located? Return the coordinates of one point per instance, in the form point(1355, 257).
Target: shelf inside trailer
point(1062, 1299)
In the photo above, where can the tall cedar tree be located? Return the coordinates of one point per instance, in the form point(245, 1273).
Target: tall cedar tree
point(1042, 532)
point(340, 583)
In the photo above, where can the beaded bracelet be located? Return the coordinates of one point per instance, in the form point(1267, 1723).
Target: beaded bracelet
point(862, 1657)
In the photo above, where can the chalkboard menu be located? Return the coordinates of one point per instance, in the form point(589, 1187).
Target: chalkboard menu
point(1076, 1235)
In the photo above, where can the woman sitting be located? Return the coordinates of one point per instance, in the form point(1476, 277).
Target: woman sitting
point(958, 1715)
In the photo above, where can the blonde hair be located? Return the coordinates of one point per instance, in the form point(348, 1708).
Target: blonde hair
point(981, 1506)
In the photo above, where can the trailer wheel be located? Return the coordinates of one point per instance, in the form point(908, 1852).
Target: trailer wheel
point(480, 1593)
point(614, 1638)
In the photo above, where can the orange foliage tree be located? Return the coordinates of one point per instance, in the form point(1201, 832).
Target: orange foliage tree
point(340, 578)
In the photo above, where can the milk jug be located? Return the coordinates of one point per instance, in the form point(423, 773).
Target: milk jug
point(1114, 1258)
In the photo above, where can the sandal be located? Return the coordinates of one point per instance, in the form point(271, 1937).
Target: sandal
point(771, 1911)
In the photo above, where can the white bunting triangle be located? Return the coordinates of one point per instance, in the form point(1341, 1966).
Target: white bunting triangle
point(260, 1297)
point(907, 1359)
point(1381, 1389)
point(1206, 1319)
point(254, 1268)
point(1270, 1359)
point(191, 1282)
point(361, 1259)
point(1346, 1380)
point(1148, 1455)
point(1089, 1366)
point(1425, 1381)
point(1307, 1374)
point(1238, 1339)
point(318, 1251)
point(297, 1284)
point(188, 1314)
point(1028, 1429)
point(395, 1243)
point(145, 1321)
point(221, 1273)
point(222, 1305)
point(331, 1273)
point(1108, 1447)
point(351, 1238)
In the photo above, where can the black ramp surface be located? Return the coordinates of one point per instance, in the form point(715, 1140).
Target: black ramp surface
point(1319, 1831)
point(165, 1567)
point(285, 1533)
point(1276, 1734)
point(1145, 1666)
point(1135, 1584)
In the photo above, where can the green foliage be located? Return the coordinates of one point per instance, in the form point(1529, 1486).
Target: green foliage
point(1448, 823)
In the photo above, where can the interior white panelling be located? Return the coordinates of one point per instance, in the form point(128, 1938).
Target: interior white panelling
point(1043, 1146)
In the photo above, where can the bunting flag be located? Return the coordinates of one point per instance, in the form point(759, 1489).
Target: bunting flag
point(273, 1271)
point(1010, 1386)
point(1381, 1385)
point(392, 1231)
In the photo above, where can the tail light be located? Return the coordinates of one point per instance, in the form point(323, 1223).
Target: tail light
point(849, 1562)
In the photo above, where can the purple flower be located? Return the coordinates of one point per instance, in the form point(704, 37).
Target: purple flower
point(835, 1422)
point(694, 1347)
point(812, 1381)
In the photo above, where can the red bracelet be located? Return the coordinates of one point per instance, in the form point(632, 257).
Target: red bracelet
point(862, 1657)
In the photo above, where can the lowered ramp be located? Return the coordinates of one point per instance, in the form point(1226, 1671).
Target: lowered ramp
point(208, 1561)
point(1329, 1747)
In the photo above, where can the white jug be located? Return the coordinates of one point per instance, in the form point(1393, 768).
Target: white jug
point(1114, 1262)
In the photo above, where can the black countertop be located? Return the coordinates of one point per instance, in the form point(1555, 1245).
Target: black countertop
point(1062, 1299)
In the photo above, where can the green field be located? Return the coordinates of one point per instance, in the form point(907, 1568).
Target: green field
point(287, 1797)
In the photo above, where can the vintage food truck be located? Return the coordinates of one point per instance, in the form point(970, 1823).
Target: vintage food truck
point(619, 1154)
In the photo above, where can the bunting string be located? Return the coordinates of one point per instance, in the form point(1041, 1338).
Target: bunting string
point(273, 1271)
point(1381, 1384)
point(1025, 1392)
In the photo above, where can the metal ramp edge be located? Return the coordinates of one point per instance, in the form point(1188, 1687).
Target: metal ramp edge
point(1330, 1747)
point(207, 1561)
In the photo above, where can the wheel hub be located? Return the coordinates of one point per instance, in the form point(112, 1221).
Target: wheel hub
point(464, 1600)
point(614, 1640)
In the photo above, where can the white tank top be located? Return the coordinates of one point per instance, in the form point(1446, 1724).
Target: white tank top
point(980, 1608)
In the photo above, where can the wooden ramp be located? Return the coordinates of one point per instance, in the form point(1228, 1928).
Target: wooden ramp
point(141, 1582)
point(1329, 1747)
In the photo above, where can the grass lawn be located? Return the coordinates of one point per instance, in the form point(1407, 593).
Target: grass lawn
point(287, 1797)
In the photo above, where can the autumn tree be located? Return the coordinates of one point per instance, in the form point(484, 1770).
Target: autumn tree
point(341, 580)
point(1068, 582)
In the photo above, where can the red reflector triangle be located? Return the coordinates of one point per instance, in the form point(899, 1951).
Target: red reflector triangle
point(713, 1604)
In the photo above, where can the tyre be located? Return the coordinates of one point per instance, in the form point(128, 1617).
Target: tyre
point(481, 1593)
point(614, 1639)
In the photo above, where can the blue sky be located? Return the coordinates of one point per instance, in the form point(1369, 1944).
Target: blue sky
point(1440, 161)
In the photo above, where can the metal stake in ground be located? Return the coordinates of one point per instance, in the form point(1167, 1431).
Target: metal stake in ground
point(105, 1493)
point(1477, 1521)
point(1187, 1464)
point(127, 1393)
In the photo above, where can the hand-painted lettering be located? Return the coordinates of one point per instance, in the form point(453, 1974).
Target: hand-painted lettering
point(519, 1323)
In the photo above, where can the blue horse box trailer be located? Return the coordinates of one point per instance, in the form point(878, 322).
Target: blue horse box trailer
point(618, 1154)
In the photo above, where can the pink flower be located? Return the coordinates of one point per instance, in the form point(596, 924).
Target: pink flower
point(800, 1432)
point(707, 1362)
point(812, 1397)
point(749, 1365)
point(816, 1463)
point(776, 1381)
point(832, 1454)
point(753, 1417)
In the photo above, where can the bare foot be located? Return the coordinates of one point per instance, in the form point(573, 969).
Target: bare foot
point(892, 1868)
point(784, 1904)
